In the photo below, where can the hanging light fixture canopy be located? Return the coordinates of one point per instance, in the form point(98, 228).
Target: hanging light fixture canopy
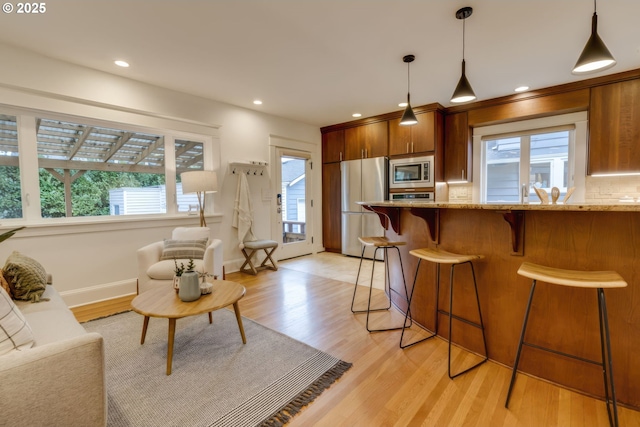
point(463, 92)
point(595, 55)
point(408, 118)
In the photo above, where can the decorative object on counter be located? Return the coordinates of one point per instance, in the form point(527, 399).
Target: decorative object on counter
point(542, 194)
point(568, 194)
point(408, 117)
point(199, 182)
point(189, 286)
point(595, 56)
point(555, 194)
point(463, 92)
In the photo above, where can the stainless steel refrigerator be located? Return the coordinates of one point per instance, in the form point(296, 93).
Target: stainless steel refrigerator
point(362, 181)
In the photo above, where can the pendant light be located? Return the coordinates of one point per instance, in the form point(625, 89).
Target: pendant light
point(408, 118)
point(463, 92)
point(595, 55)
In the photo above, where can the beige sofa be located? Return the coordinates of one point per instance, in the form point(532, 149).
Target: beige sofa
point(60, 381)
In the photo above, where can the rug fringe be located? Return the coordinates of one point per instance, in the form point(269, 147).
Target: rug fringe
point(284, 414)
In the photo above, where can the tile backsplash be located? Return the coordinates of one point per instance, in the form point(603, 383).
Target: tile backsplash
point(601, 190)
point(612, 189)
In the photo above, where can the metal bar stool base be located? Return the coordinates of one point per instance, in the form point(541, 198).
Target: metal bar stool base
point(442, 257)
point(383, 244)
point(585, 279)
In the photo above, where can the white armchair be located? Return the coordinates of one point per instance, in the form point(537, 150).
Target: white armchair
point(154, 272)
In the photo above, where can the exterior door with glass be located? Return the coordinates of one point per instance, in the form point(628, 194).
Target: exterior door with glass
point(293, 202)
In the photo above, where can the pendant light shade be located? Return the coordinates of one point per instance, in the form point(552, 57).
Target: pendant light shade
point(464, 92)
point(595, 55)
point(408, 117)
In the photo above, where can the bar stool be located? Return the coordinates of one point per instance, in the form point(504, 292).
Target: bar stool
point(384, 244)
point(439, 256)
point(579, 279)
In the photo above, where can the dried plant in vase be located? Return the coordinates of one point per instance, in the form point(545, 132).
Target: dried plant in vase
point(179, 270)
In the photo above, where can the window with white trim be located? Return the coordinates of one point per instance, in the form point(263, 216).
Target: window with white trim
point(92, 168)
point(10, 195)
point(514, 158)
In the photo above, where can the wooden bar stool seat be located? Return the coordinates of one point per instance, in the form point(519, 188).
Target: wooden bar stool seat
point(384, 244)
point(269, 246)
point(598, 280)
point(439, 256)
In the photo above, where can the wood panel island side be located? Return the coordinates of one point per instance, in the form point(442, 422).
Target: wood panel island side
point(571, 236)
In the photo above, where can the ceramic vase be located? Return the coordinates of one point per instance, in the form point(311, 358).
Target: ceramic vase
point(189, 286)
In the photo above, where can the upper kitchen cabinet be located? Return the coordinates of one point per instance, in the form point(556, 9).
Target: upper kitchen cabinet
point(416, 139)
point(366, 141)
point(458, 149)
point(333, 146)
point(614, 128)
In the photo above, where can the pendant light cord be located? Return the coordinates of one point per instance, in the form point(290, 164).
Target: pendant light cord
point(408, 79)
point(463, 27)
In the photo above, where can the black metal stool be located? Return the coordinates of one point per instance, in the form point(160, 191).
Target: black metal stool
point(384, 244)
point(579, 279)
point(438, 256)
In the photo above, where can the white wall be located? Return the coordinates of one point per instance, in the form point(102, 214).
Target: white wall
point(95, 259)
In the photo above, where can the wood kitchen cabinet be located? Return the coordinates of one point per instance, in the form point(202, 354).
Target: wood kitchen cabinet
point(416, 139)
point(331, 208)
point(458, 148)
point(614, 128)
point(366, 141)
point(333, 146)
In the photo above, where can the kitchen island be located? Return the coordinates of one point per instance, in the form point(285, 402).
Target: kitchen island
point(571, 236)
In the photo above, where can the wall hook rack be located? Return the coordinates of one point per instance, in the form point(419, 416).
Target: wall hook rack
point(249, 168)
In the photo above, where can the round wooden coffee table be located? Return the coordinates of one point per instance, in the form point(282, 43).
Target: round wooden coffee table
point(164, 302)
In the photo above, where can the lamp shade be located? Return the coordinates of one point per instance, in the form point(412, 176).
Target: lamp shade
point(199, 182)
point(464, 91)
point(408, 117)
point(595, 55)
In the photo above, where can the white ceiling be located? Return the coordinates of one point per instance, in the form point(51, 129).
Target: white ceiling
point(319, 61)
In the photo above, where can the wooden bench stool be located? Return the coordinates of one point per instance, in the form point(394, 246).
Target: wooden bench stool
point(580, 279)
point(269, 246)
point(439, 256)
point(384, 244)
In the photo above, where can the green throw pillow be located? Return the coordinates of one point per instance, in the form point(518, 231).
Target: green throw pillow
point(184, 249)
point(26, 276)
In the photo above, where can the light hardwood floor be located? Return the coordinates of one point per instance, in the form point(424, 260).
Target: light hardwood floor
point(309, 299)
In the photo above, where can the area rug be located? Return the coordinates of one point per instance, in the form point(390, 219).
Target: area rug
point(216, 380)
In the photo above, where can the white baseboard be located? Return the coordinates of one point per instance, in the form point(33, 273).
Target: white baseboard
point(100, 292)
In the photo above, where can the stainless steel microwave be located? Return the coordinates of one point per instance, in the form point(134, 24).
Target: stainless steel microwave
point(412, 172)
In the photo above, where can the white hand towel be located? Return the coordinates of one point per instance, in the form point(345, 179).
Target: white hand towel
point(243, 212)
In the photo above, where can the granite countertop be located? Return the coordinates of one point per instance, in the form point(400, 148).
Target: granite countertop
point(571, 206)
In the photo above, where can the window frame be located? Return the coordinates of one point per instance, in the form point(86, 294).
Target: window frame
point(169, 129)
point(577, 148)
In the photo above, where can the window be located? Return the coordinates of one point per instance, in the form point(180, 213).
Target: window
point(11, 193)
point(511, 159)
point(56, 166)
point(93, 171)
point(189, 157)
point(516, 164)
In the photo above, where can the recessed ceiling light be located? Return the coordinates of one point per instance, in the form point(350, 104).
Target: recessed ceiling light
point(402, 104)
point(257, 102)
point(121, 63)
point(522, 88)
point(356, 115)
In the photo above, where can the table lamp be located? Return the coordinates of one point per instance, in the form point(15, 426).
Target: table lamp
point(199, 182)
